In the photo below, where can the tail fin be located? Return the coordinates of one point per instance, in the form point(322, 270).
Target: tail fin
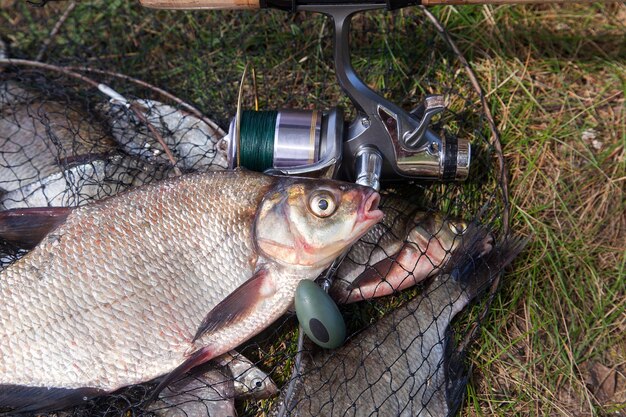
point(474, 269)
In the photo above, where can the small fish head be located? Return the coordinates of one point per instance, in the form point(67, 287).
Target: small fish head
point(309, 222)
point(438, 235)
point(254, 383)
point(428, 228)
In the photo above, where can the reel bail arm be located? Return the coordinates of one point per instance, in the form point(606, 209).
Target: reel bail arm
point(408, 147)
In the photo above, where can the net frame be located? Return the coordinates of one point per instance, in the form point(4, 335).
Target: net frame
point(62, 79)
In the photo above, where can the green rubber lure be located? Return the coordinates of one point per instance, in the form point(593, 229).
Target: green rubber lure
point(319, 316)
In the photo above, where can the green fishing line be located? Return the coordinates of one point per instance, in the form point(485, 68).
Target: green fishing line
point(257, 139)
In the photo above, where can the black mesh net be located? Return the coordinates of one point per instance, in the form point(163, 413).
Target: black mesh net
point(64, 142)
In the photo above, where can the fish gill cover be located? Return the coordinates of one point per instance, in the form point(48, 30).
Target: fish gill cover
point(64, 144)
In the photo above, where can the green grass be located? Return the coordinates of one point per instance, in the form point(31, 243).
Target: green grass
point(564, 306)
point(550, 72)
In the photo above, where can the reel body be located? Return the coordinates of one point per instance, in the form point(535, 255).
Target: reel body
point(316, 143)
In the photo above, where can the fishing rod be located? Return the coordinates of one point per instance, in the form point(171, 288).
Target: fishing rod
point(382, 141)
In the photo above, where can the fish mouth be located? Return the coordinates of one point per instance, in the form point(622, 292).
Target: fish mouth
point(369, 212)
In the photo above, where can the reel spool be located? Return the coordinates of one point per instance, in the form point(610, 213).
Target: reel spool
point(293, 142)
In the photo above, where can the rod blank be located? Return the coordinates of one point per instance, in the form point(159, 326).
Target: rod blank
point(255, 4)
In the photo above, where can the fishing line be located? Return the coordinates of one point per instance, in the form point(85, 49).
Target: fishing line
point(236, 135)
point(256, 143)
point(296, 372)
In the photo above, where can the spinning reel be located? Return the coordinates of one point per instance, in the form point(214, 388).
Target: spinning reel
point(384, 141)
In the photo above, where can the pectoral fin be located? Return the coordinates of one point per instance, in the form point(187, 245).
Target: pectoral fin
point(389, 275)
point(374, 274)
point(238, 304)
point(232, 308)
point(197, 358)
point(28, 226)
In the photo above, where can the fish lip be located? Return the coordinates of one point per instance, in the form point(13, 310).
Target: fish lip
point(369, 212)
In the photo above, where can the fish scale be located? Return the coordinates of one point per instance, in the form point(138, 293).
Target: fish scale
point(71, 274)
point(162, 278)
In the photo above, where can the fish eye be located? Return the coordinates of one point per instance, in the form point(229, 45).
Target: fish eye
point(458, 228)
point(257, 383)
point(322, 204)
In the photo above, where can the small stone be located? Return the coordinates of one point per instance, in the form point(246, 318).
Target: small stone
point(597, 144)
point(588, 135)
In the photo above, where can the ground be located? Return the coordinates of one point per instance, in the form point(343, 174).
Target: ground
point(554, 76)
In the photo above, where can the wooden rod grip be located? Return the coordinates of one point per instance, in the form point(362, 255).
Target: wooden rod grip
point(201, 4)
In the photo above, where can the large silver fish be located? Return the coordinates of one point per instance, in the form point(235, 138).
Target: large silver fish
point(165, 277)
point(404, 249)
point(38, 137)
point(404, 365)
point(195, 144)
